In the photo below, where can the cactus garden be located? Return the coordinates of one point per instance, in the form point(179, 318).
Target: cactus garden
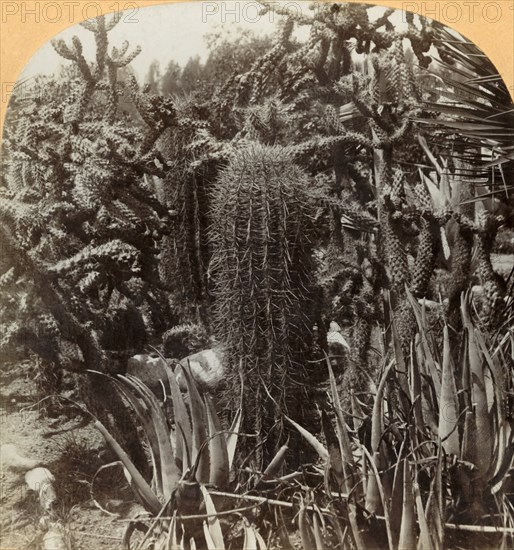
point(263, 300)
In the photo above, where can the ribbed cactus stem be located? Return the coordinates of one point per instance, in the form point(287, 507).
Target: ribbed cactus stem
point(262, 271)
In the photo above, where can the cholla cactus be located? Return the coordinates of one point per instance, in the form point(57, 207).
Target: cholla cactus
point(80, 223)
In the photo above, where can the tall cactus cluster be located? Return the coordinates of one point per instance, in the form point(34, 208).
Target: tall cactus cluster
point(262, 271)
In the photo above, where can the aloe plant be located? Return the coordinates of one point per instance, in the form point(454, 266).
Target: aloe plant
point(433, 461)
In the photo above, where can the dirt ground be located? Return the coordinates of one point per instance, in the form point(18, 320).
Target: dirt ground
point(73, 451)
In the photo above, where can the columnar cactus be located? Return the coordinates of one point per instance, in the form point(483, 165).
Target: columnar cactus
point(262, 270)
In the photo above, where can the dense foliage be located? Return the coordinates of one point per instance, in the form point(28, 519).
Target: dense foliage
point(322, 182)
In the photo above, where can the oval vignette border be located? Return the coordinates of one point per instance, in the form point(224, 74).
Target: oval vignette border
point(488, 23)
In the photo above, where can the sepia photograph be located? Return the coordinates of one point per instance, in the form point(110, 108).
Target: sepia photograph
point(257, 281)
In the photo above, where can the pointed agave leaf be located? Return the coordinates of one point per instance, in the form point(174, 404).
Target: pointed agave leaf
point(376, 418)
point(232, 437)
point(334, 451)
point(415, 393)
point(381, 492)
point(180, 412)
point(466, 375)
point(357, 412)
point(260, 541)
point(166, 473)
point(145, 418)
point(432, 368)
point(425, 542)
point(213, 523)
point(496, 386)
point(170, 472)
point(501, 477)
point(448, 404)
point(357, 536)
point(208, 537)
point(171, 541)
point(250, 540)
point(283, 531)
point(408, 525)
point(492, 378)
point(185, 459)
point(146, 494)
point(469, 439)
point(484, 427)
point(199, 427)
point(318, 538)
point(342, 431)
point(396, 506)
point(401, 367)
point(341, 535)
point(374, 500)
point(313, 442)
point(218, 453)
point(274, 466)
point(347, 460)
point(306, 533)
point(429, 154)
point(434, 510)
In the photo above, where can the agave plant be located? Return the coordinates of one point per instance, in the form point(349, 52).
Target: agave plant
point(435, 463)
point(187, 454)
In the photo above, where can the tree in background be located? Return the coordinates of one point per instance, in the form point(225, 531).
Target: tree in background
point(170, 81)
point(153, 77)
point(229, 53)
point(232, 52)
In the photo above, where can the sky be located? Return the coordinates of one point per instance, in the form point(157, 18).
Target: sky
point(165, 32)
point(172, 31)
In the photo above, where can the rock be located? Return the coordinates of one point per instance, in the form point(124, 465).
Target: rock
point(150, 370)
point(338, 347)
point(334, 337)
point(54, 538)
point(41, 481)
point(12, 459)
point(206, 367)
